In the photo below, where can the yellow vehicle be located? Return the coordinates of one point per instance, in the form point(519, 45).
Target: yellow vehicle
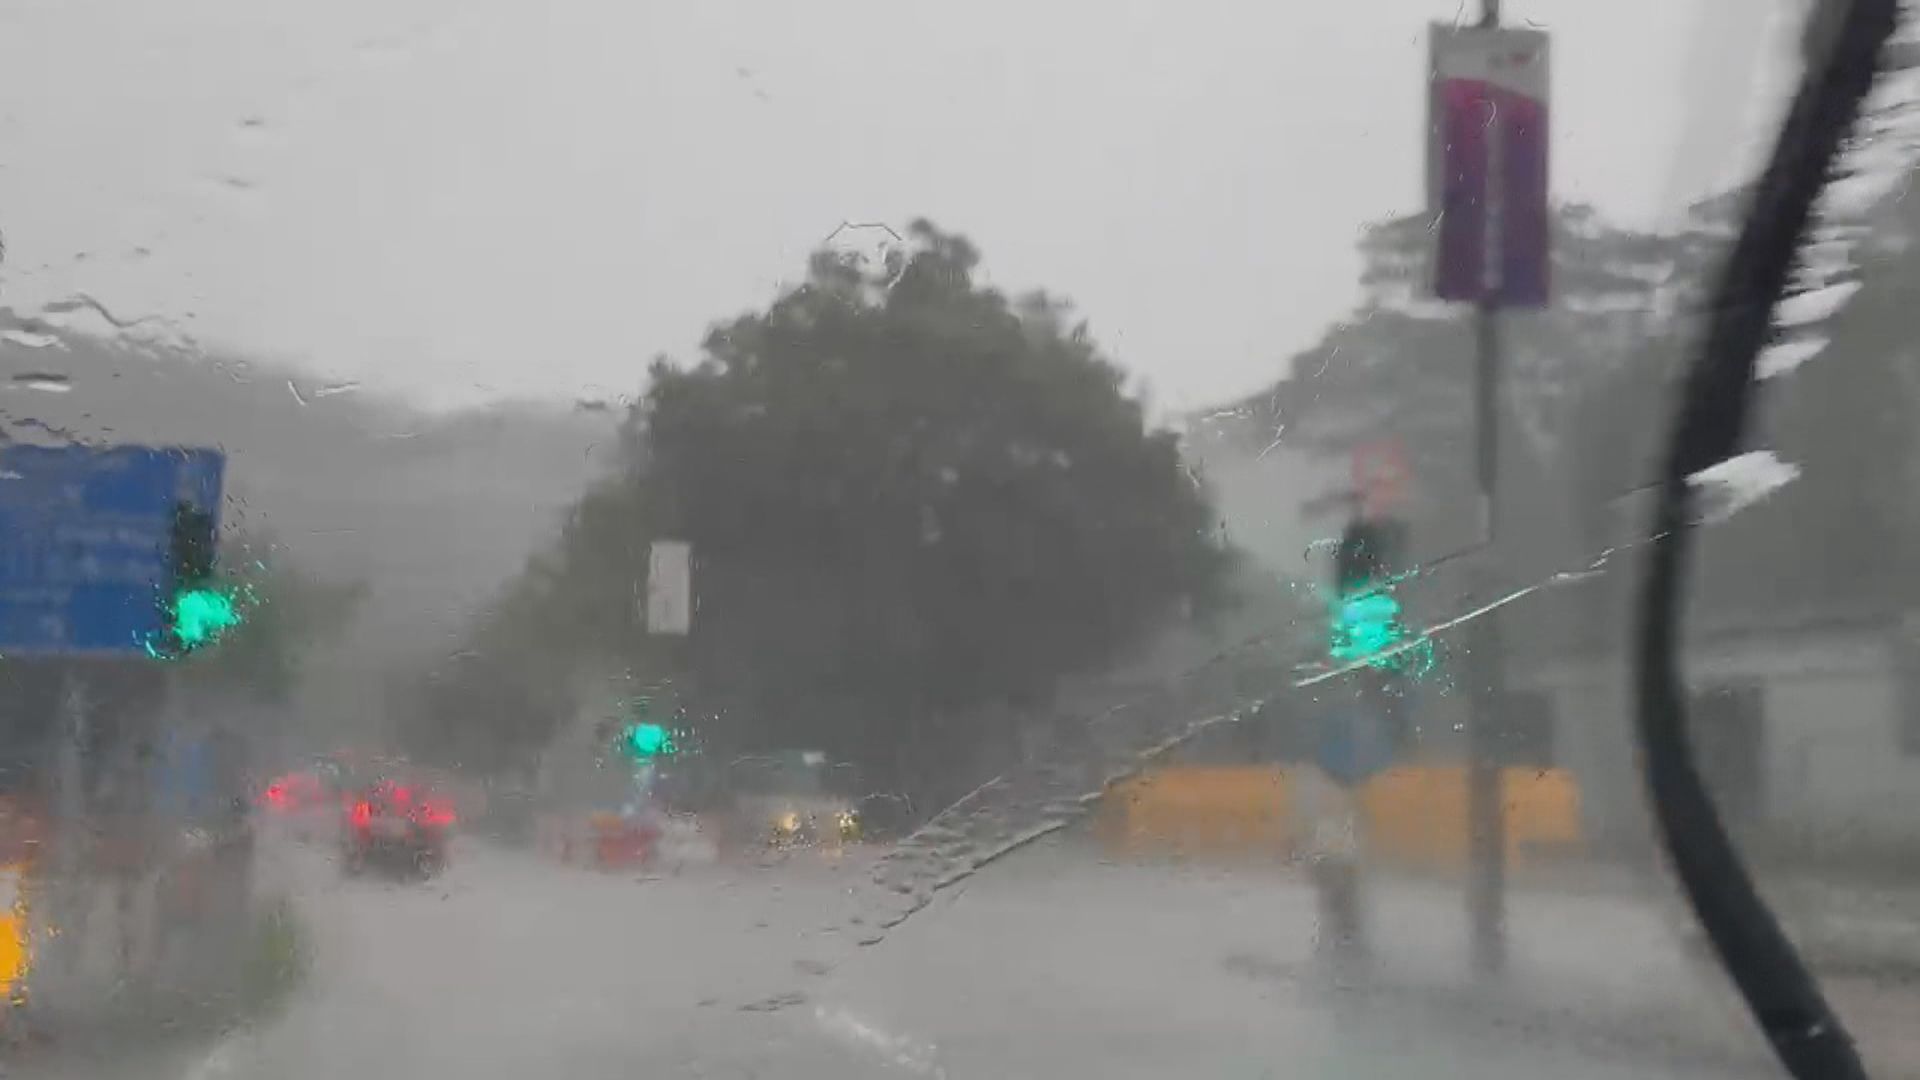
point(20, 830)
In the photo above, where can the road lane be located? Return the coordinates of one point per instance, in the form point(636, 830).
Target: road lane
point(1051, 965)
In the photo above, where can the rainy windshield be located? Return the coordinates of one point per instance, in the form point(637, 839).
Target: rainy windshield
point(878, 540)
point(801, 773)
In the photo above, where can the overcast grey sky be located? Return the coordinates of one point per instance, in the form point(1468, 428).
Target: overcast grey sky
point(464, 199)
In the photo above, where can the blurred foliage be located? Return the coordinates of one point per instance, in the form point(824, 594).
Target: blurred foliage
point(1401, 367)
point(1586, 399)
point(907, 495)
point(285, 613)
point(1848, 527)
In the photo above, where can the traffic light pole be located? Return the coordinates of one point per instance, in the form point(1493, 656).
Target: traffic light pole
point(1486, 663)
point(69, 898)
point(1486, 650)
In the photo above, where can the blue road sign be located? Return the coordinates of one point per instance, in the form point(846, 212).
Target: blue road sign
point(1354, 743)
point(84, 542)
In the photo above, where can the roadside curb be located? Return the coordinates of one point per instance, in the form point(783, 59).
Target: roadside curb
point(158, 1022)
point(1717, 1040)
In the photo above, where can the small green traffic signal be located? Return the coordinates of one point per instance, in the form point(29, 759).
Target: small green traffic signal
point(201, 615)
point(197, 610)
point(646, 740)
point(1366, 624)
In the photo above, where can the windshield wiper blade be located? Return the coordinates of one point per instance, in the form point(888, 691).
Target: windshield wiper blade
point(1844, 44)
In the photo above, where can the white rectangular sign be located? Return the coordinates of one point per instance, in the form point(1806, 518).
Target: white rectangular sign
point(670, 587)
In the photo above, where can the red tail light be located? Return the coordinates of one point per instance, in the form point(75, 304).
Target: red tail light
point(361, 815)
point(436, 813)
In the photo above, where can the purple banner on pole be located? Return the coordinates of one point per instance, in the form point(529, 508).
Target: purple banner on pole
point(1487, 165)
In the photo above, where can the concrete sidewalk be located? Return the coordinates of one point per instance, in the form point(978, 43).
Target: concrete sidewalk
point(1623, 968)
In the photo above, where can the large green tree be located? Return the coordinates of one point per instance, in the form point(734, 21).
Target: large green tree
point(907, 495)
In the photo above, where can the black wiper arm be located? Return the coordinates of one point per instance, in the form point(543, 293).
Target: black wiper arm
point(1844, 43)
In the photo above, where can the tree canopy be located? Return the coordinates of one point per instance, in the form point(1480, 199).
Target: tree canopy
point(906, 494)
point(1586, 400)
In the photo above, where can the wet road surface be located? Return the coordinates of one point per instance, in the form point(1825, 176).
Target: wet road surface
point(1052, 964)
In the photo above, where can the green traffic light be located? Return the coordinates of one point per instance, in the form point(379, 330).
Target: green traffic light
point(196, 612)
point(1368, 629)
point(649, 740)
point(195, 618)
point(1366, 624)
point(201, 616)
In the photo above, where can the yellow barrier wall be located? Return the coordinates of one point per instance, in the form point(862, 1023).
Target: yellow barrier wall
point(1219, 809)
point(1414, 815)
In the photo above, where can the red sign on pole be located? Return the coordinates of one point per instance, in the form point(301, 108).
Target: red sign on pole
point(1487, 165)
point(1380, 477)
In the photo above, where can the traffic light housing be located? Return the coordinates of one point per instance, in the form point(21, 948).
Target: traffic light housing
point(196, 612)
point(1370, 551)
point(1366, 620)
point(190, 544)
point(1368, 628)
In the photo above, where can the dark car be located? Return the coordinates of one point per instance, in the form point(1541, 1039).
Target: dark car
point(397, 826)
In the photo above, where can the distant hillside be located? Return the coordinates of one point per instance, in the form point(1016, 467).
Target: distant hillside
point(434, 512)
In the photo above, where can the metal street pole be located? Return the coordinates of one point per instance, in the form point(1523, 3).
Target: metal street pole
point(1486, 654)
point(1486, 660)
point(70, 898)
